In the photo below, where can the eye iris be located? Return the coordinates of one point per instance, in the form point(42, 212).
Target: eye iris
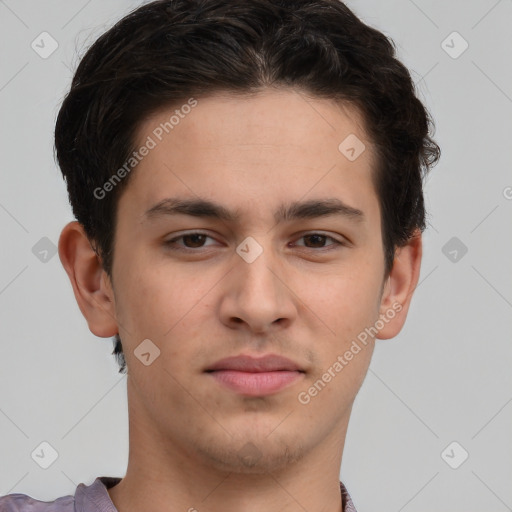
point(194, 237)
point(320, 238)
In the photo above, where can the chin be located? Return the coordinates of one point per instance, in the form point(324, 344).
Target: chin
point(253, 454)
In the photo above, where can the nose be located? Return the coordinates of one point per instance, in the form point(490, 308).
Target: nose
point(258, 295)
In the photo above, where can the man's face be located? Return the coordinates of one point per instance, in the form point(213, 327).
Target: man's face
point(314, 287)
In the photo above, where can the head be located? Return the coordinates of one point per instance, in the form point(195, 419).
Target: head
point(248, 106)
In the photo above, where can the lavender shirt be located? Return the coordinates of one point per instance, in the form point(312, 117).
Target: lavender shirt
point(93, 498)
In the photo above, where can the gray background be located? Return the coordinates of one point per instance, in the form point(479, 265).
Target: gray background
point(445, 378)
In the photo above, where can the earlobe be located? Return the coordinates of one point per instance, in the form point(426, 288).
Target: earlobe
point(400, 286)
point(90, 283)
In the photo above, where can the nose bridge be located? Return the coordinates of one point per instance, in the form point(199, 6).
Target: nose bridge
point(257, 294)
point(256, 268)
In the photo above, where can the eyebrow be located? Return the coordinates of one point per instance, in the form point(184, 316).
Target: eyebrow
point(286, 212)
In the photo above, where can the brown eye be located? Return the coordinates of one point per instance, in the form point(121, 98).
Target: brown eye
point(196, 240)
point(189, 241)
point(318, 241)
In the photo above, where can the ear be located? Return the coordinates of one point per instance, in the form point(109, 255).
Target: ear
point(91, 284)
point(400, 286)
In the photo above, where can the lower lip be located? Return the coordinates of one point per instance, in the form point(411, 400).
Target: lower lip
point(256, 384)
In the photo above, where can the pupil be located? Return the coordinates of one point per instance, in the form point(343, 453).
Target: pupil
point(194, 237)
point(317, 237)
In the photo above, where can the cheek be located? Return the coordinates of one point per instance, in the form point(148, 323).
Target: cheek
point(142, 303)
point(348, 308)
point(345, 304)
point(162, 303)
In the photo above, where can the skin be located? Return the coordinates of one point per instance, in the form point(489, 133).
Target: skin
point(304, 298)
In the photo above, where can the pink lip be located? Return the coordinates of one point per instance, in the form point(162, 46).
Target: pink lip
point(243, 363)
point(256, 376)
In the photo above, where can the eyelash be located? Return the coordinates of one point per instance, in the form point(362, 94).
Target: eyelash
point(171, 243)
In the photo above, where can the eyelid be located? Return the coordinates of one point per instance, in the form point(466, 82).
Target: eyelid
point(326, 235)
point(336, 243)
point(188, 233)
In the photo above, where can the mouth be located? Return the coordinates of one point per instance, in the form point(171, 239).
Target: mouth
point(250, 376)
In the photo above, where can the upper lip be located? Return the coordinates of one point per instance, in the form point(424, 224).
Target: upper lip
point(246, 363)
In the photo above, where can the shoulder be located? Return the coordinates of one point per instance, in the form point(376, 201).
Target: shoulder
point(87, 498)
point(23, 503)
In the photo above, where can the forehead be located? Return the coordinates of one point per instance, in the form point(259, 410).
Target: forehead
point(250, 119)
point(272, 145)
